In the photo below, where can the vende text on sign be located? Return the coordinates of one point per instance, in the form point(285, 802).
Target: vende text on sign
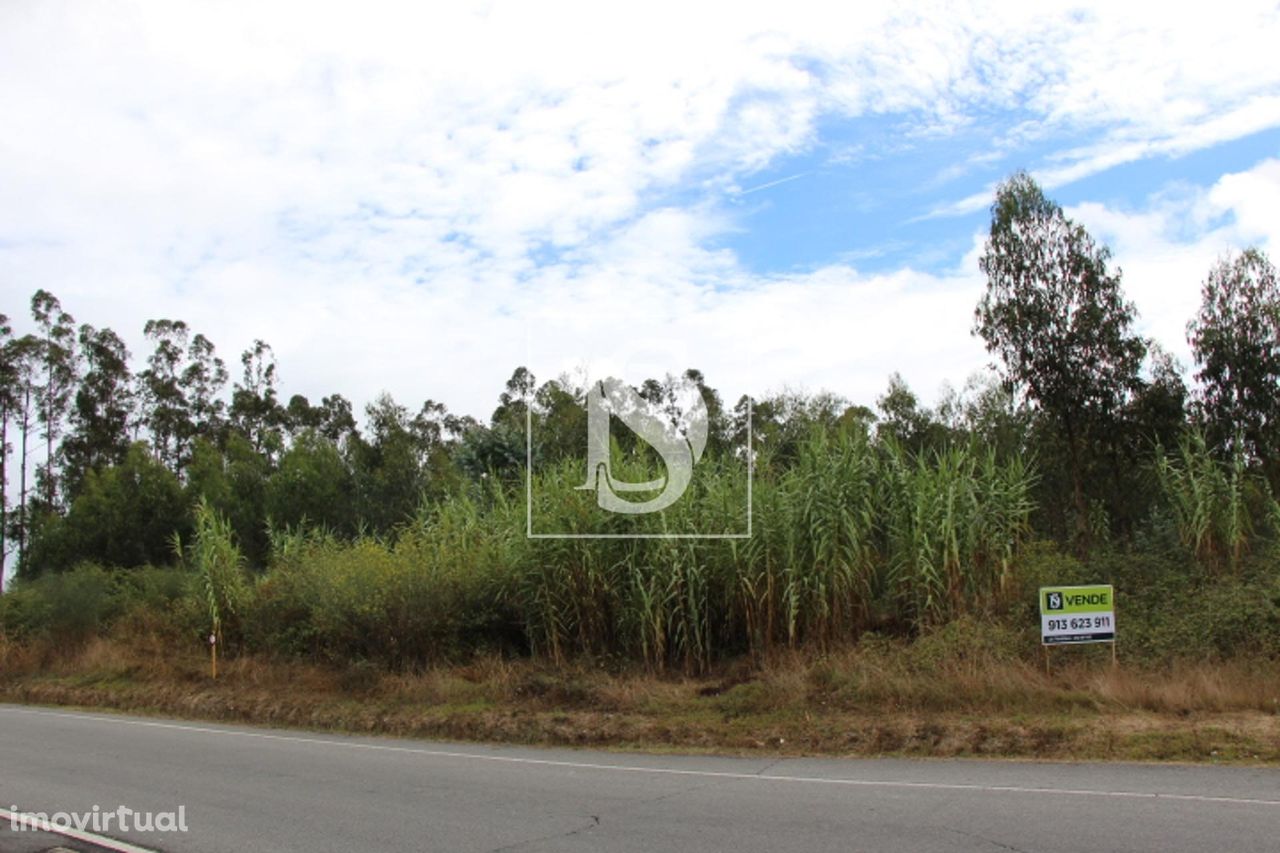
point(1077, 614)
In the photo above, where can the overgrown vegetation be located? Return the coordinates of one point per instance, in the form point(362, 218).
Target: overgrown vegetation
point(397, 548)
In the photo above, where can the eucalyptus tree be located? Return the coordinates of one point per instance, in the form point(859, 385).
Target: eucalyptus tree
point(255, 405)
point(719, 428)
point(562, 421)
point(203, 378)
point(22, 366)
point(102, 408)
point(1236, 342)
point(1057, 318)
point(8, 396)
point(165, 409)
point(311, 486)
point(515, 399)
point(907, 423)
point(331, 418)
point(125, 515)
point(58, 374)
point(387, 466)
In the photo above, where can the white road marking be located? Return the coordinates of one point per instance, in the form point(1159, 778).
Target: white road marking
point(27, 821)
point(656, 771)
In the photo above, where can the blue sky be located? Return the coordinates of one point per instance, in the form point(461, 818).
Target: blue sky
point(416, 200)
point(877, 212)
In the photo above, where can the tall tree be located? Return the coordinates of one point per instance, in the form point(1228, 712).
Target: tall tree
point(58, 365)
point(332, 418)
point(255, 405)
point(992, 415)
point(513, 402)
point(203, 378)
point(903, 420)
point(387, 467)
point(1057, 318)
point(717, 420)
point(23, 363)
point(312, 486)
point(233, 480)
point(165, 409)
point(1236, 342)
point(561, 420)
point(8, 397)
point(125, 515)
point(103, 405)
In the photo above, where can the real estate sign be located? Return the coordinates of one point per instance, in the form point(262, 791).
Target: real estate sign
point(1077, 614)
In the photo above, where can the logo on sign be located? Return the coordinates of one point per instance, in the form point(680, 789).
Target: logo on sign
point(1053, 601)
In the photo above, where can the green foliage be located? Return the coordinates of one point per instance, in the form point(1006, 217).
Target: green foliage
point(1052, 311)
point(220, 566)
point(846, 537)
point(69, 607)
point(956, 520)
point(1236, 341)
point(429, 592)
point(125, 515)
point(312, 486)
point(404, 543)
point(100, 414)
point(58, 371)
point(1213, 502)
point(255, 410)
point(1057, 319)
point(1185, 616)
point(813, 571)
point(391, 469)
point(234, 482)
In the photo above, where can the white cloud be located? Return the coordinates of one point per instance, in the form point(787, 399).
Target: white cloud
point(1167, 248)
point(391, 196)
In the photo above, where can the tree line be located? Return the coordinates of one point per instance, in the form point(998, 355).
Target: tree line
point(108, 463)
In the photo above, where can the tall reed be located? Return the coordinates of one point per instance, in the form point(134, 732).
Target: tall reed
point(1209, 498)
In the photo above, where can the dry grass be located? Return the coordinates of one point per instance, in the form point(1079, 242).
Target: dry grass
point(1193, 688)
point(872, 700)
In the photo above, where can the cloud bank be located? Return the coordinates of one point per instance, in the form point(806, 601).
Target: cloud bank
point(417, 199)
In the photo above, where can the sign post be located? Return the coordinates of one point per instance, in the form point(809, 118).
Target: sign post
point(213, 654)
point(1077, 614)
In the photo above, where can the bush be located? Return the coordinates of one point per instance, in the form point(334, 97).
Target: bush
point(69, 607)
point(161, 602)
point(431, 593)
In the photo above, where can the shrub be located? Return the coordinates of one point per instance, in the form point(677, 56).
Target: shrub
point(69, 607)
point(428, 593)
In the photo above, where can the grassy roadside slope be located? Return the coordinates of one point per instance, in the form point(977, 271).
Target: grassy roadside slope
point(878, 699)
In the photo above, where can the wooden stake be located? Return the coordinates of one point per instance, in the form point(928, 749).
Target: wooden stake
point(213, 654)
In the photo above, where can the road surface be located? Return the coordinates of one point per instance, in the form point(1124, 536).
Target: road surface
point(249, 789)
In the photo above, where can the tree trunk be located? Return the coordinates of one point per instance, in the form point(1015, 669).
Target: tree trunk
point(49, 484)
point(1077, 491)
point(25, 427)
point(4, 490)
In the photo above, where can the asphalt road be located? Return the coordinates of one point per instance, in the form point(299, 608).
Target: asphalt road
point(247, 789)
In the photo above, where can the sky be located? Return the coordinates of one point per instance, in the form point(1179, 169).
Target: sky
point(416, 198)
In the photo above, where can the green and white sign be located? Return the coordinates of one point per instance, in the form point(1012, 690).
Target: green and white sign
point(1077, 614)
